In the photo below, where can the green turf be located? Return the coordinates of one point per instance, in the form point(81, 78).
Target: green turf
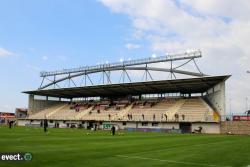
point(73, 147)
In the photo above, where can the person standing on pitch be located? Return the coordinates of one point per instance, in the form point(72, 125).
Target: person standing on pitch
point(113, 130)
point(45, 125)
point(10, 123)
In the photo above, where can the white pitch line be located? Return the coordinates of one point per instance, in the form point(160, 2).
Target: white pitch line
point(182, 147)
point(170, 161)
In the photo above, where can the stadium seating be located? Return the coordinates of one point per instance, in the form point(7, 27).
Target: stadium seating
point(65, 113)
point(47, 112)
point(101, 114)
point(194, 109)
point(149, 110)
point(165, 109)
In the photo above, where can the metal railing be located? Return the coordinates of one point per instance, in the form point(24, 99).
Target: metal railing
point(169, 57)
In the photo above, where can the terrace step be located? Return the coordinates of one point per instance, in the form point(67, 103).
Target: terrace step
point(55, 111)
point(174, 109)
point(84, 112)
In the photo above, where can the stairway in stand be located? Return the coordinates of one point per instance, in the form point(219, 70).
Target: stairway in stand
point(173, 110)
point(82, 113)
point(123, 113)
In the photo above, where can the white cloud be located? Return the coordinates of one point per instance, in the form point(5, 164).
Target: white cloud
point(4, 52)
point(230, 8)
point(221, 29)
point(132, 46)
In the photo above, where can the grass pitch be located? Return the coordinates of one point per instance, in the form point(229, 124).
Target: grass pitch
point(75, 147)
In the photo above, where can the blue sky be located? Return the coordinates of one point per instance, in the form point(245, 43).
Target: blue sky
point(49, 35)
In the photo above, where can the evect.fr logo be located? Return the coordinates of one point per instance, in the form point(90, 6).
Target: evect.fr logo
point(15, 156)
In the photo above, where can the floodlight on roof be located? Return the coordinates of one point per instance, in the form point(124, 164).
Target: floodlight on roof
point(126, 63)
point(191, 50)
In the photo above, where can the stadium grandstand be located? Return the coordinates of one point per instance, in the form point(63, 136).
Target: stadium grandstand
point(194, 103)
point(5, 117)
point(21, 112)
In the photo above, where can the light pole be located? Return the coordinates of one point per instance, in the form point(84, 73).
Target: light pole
point(248, 72)
point(246, 104)
point(230, 107)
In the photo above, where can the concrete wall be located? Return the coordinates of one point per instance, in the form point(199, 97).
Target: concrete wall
point(37, 105)
point(170, 125)
point(216, 96)
point(22, 122)
point(213, 128)
point(128, 125)
point(235, 127)
point(139, 125)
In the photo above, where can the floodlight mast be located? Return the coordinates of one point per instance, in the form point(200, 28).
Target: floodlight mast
point(166, 58)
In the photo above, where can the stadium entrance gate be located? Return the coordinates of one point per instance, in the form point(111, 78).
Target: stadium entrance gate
point(185, 127)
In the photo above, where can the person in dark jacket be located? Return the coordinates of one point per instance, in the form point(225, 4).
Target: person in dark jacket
point(10, 123)
point(45, 125)
point(113, 130)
